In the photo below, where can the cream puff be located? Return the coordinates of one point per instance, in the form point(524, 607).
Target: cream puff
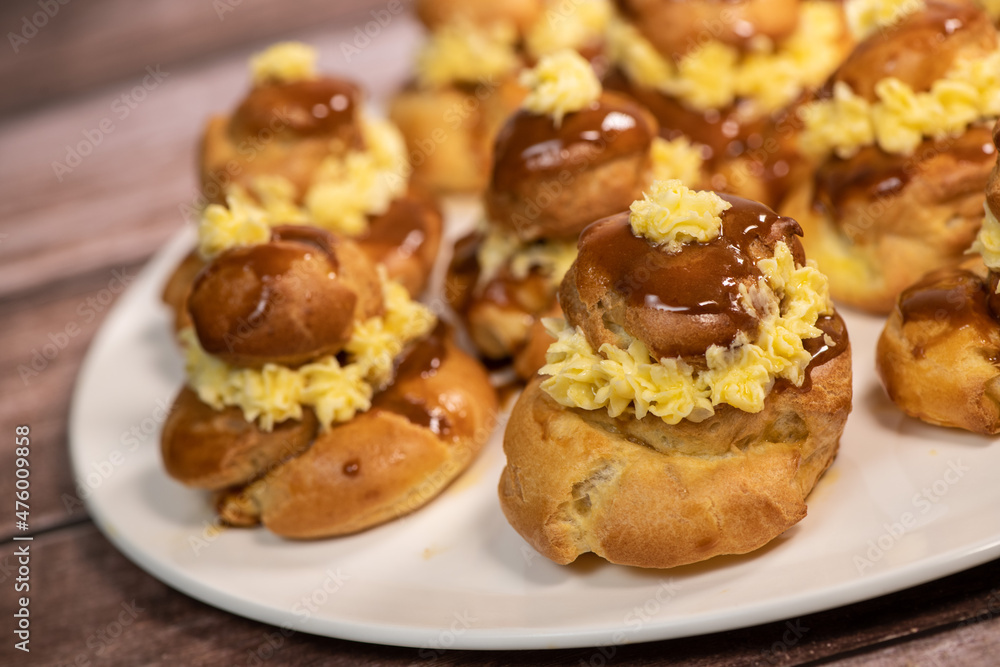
point(320, 399)
point(570, 155)
point(938, 354)
point(724, 74)
point(466, 79)
point(696, 390)
point(902, 132)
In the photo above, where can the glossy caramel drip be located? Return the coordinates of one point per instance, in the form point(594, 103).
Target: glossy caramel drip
point(918, 50)
point(404, 225)
point(956, 296)
point(422, 362)
point(699, 283)
point(873, 175)
point(530, 145)
point(317, 107)
point(312, 237)
point(822, 352)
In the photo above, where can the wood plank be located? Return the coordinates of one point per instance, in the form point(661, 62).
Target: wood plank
point(42, 344)
point(122, 200)
point(83, 589)
point(84, 45)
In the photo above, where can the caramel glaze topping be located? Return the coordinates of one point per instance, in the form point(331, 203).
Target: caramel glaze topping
point(873, 175)
point(319, 107)
point(403, 398)
point(530, 146)
point(918, 51)
point(767, 142)
point(956, 296)
point(822, 352)
point(279, 302)
point(678, 304)
point(401, 229)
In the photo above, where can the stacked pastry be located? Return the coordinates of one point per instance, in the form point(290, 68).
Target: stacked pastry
point(300, 150)
point(938, 353)
point(466, 78)
point(573, 153)
point(320, 399)
point(902, 130)
point(723, 74)
point(695, 392)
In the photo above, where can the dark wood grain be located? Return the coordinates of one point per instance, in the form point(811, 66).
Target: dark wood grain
point(91, 604)
point(121, 37)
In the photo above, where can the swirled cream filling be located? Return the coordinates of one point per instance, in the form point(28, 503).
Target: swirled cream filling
point(285, 62)
point(276, 393)
point(987, 242)
point(502, 248)
point(869, 16)
point(671, 214)
point(715, 75)
point(677, 159)
point(568, 25)
point(560, 83)
point(467, 53)
point(345, 192)
point(787, 300)
point(900, 119)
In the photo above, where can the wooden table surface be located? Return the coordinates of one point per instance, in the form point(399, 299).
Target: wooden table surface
point(69, 226)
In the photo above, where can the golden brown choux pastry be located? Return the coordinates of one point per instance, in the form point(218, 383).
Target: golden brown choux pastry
point(724, 74)
point(466, 79)
point(658, 434)
point(899, 189)
point(334, 404)
point(937, 356)
point(555, 172)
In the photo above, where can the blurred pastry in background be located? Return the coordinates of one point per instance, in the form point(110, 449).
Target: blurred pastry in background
point(725, 74)
point(344, 171)
point(572, 154)
point(902, 135)
point(466, 79)
point(696, 390)
point(939, 352)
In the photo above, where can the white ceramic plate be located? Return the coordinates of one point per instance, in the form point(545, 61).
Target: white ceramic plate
point(904, 503)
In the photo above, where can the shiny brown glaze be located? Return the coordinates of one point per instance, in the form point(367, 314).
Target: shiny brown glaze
point(317, 107)
point(530, 146)
point(313, 237)
point(695, 290)
point(422, 362)
point(919, 50)
point(822, 351)
point(873, 175)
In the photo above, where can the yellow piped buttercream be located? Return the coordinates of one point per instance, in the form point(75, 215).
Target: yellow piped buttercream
point(671, 214)
point(568, 25)
point(467, 53)
point(715, 74)
point(275, 393)
point(285, 62)
point(901, 118)
point(787, 301)
point(869, 16)
point(987, 242)
point(677, 159)
point(561, 83)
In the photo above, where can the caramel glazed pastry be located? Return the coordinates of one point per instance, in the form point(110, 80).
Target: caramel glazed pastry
point(694, 394)
point(902, 130)
point(466, 79)
point(320, 399)
point(939, 351)
point(727, 77)
point(571, 155)
point(300, 150)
